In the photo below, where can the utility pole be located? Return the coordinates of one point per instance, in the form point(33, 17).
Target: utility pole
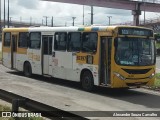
point(8, 13)
point(92, 15)
point(4, 13)
point(109, 17)
point(83, 14)
point(52, 21)
point(42, 22)
point(20, 19)
point(65, 24)
point(46, 19)
point(10, 20)
point(73, 20)
point(144, 12)
point(30, 20)
point(0, 19)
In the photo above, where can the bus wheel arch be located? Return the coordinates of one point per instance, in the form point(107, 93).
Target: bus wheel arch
point(87, 80)
point(27, 69)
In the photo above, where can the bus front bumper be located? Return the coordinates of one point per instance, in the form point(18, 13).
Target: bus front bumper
point(120, 81)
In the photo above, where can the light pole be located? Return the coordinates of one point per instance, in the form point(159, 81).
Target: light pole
point(46, 19)
point(42, 22)
point(73, 20)
point(30, 21)
point(144, 11)
point(10, 20)
point(20, 19)
point(91, 15)
point(83, 14)
point(0, 18)
point(8, 13)
point(65, 24)
point(52, 21)
point(109, 17)
point(4, 13)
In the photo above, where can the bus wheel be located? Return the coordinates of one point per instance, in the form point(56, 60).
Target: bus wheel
point(27, 69)
point(87, 81)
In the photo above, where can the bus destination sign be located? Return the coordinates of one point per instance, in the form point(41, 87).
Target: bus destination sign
point(135, 31)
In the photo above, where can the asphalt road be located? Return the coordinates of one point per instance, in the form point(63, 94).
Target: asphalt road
point(70, 97)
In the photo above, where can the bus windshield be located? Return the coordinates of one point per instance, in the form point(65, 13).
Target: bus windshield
point(134, 51)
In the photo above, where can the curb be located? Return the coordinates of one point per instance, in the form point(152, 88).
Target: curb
point(150, 88)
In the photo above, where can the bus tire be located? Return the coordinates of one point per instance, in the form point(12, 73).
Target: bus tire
point(27, 69)
point(87, 81)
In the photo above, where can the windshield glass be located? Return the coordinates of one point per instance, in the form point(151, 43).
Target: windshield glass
point(134, 51)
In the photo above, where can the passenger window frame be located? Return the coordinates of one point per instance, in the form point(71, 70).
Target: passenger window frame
point(93, 52)
point(35, 40)
point(68, 42)
point(27, 40)
point(66, 39)
point(4, 42)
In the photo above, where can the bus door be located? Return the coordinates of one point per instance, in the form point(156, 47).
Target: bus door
point(46, 54)
point(13, 51)
point(105, 60)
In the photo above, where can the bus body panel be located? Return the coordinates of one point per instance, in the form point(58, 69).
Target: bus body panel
point(81, 60)
point(63, 64)
point(72, 73)
point(34, 57)
point(46, 64)
point(21, 58)
point(14, 44)
point(94, 70)
point(6, 59)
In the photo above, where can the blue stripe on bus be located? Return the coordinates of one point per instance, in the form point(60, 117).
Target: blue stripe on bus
point(95, 29)
point(80, 29)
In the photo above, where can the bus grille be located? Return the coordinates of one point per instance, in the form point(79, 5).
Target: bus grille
point(136, 84)
point(135, 71)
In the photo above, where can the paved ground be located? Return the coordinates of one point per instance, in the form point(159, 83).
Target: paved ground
point(69, 96)
point(0, 46)
point(158, 64)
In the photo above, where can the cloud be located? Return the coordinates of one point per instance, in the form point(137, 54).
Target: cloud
point(63, 13)
point(28, 4)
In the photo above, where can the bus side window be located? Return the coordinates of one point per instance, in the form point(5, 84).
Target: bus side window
point(74, 41)
point(60, 41)
point(35, 40)
point(7, 39)
point(23, 40)
point(89, 42)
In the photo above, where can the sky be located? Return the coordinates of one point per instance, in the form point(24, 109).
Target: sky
point(35, 10)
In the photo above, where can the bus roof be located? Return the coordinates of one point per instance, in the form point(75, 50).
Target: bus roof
point(68, 29)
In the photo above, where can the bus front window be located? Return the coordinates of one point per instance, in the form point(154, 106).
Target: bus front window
point(134, 51)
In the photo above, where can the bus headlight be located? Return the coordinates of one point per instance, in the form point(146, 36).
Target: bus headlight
point(152, 75)
point(119, 76)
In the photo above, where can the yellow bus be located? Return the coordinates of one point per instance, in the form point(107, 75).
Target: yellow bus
point(108, 56)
